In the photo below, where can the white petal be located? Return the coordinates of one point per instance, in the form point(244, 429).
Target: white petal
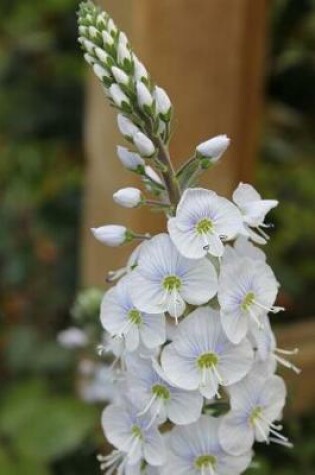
point(154, 448)
point(116, 425)
point(146, 294)
point(185, 407)
point(236, 434)
point(152, 330)
point(245, 193)
point(188, 242)
point(235, 325)
point(235, 362)
point(182, 371)
point(200, 282)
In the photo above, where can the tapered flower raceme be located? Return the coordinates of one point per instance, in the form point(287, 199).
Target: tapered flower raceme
point(254, 210)
point(121, 318)
point(248, 297)
point(133, 435)
point(201, 357)
point(112, 234)
point(164, 281)
point(132, 161)
point(196, 450)
point(213, 148)
point(128, 197)
point(159, 397)
point(203, 219)
point(256, 402)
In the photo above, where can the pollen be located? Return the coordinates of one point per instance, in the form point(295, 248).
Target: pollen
point(204, 461)
point(207, 360)
point(171, 283)
point(161, 391)
point(248, 301)
point(135, 316)
point(204, 226)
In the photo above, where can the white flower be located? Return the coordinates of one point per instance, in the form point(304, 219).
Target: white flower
point(152, 175)
point(196, 450)
point(123, 53)
point(131, 263)
point(202, 220)
point(144, 145)
point(149, 384)
point(72, 337)
point(101, 55)
point(100, 72)
point(133, 434)
point(201, 356)
point(112, 235)
point(120, 317)
point(120, 76)
point(126, 127)
point(247, 290)
point(256, 402)
point(164, 280)
point(163, 103)
point(145, 98)
point(128, 197)
point(213, 148)
point(89, 59)
point(254, 211)
point(130, 160)
point(118, 96)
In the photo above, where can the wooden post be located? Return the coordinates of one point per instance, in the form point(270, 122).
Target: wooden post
point(208, 54)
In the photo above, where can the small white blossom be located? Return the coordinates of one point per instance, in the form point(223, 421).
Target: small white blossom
point(164, 280)
point(72, 337)
point(163, 103)
point(89, 59)
point(256, 402)
point(126, 127)
point(133, 434)
point(128, 197)
point(248, 297)
point(118, 96)
point(201, 357)
point(214, 148)
point(111, 235)
point(130, 160)
point(152, 175)
point(150, 385)
point(254, 210)
point(196, 450)
point(101, 55)
point(123, 53)
point(108, 40)
point(144, 145)
point(203, 219)
point(144, 95)
point(120, 76)
point(121, 318)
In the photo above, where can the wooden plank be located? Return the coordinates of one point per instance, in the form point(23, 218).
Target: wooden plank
point(208, 55)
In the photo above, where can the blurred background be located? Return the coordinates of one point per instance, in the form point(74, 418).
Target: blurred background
point(248, 70)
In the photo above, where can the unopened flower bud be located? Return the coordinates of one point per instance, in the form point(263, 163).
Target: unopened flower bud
point(163, 104)
point(123, 54)
point(100, 72)
point(112, 235)
point(120, 76)
point(89, 59)
point(111, 27)
point(128, 197)
point(140, 71)
point(93, 32)
point(118, 96)
point(101, 54)
point(130, 160)
point(152, 175)
point(126, 127)
point(145, 98)
point(107, 38)
point(144, 145)
point(214, 148)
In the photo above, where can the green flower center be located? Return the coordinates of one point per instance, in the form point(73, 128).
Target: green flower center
point(172, 282)
point(255, 414)
point(161, 391)
point(137, 432)
point(135, 316)
point(204, 226)
point(205, 461)
point(248, 301)
point(207, 360)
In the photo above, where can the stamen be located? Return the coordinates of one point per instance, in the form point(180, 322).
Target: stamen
point(272, 308)
point(261, 430)
point(255, 318)
point(287, 352)
point(287, 364)
point(148, 406)
point(287, 444)
point(262, 233)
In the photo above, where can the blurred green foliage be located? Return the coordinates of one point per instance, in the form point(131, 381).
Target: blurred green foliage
point(44, 429)
point(287, 169)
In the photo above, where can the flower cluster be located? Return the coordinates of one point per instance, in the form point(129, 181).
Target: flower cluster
point(188, 317)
